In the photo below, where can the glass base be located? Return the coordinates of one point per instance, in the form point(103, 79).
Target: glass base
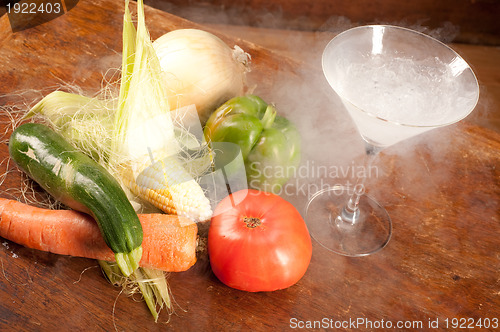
point(368, 233)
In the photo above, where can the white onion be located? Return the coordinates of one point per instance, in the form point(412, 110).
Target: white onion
point(200, 69)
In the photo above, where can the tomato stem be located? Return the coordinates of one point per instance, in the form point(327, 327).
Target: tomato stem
point(252, 222)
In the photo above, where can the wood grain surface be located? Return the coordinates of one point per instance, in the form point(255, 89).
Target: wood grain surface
point(441, 189)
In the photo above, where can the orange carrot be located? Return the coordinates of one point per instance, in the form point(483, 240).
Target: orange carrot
point(169, 241)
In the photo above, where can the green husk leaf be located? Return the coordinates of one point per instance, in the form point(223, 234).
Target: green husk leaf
point(142, 121)
point(61, 107)
point(151, 283)
point(81, 120)
point(128, 50)
point(159, 286)
point(147, 294)
point(112, 273)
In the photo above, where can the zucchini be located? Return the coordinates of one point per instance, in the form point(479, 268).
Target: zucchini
point(79, 182)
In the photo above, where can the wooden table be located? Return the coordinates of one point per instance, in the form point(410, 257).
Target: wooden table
point(441, 189)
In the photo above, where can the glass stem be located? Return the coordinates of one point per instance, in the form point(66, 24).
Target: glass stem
point(350, 212)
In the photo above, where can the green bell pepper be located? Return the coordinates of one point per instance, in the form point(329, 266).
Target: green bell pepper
point(269, 143)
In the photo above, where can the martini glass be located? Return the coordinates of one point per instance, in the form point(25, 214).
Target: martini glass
point(395, 83)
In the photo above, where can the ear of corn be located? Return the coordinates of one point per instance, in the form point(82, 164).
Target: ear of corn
point(168, 186)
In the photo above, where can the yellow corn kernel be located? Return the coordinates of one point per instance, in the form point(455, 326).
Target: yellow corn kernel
point(169, 187)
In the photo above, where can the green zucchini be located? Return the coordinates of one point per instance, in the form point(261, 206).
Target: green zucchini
point(79, 182)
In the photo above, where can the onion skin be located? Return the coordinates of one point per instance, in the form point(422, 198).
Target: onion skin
point(200, 69)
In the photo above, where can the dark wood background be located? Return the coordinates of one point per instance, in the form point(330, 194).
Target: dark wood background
point(466, 21)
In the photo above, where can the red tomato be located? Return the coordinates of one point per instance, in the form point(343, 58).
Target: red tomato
point(258, 241)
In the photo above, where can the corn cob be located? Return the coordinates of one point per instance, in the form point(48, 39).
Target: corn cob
point(169, 187)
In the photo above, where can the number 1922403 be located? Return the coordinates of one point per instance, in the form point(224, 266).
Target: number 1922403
point(472, 323)
point(34, 8)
